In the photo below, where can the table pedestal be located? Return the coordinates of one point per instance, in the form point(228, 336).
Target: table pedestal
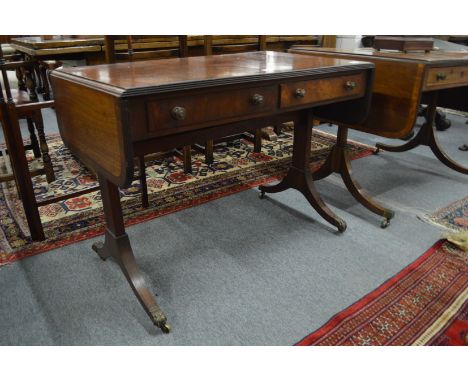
point(299, 176)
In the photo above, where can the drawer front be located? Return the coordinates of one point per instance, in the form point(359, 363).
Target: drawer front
point(446, 77)
point(167, 115)
point(315, 91)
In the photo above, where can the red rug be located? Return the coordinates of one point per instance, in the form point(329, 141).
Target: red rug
point(425, 304)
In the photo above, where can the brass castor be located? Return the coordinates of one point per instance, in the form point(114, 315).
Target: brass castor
point(165, 327)
point(342, 226)
point(385, 223)
point(261, 194)
point(98, 247)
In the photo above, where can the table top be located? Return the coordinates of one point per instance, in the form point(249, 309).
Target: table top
point(155, 76)
point(38, 46)
point(38, 42)
point(432, 57)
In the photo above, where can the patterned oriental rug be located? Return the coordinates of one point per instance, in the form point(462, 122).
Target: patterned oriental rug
point(454, 217)
point(425, 304)
point(236, 168)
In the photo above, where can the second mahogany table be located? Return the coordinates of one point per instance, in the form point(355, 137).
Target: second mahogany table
point(402, 82)
point(107, 114)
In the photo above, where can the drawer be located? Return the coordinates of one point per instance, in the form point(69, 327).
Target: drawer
point(167, 115)
point(446, 77)
point(315, 91)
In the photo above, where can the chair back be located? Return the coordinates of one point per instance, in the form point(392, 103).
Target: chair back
point(132, 48)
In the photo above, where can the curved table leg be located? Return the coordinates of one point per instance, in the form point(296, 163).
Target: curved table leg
point(299, 176)
point(312, 195)
point(427, 137)
point(283, 185)
point(416, 141)
point(361, 195)
point(117, 245)
point(338, 161)
point(443, 157)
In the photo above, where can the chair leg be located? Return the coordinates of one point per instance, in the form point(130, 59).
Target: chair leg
point(49, 170)
point(32, 136)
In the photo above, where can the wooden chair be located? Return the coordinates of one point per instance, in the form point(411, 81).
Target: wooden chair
point(33, 116)
point(14, 105)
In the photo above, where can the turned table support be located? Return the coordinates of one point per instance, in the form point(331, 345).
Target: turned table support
point(299, 176)
point(427, 137)
point(117, 244)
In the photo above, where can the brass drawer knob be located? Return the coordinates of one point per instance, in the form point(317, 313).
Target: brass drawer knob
point(350, 85)
point(179, 113)
point(300, 93)
point(441, 76)
point(257, 99)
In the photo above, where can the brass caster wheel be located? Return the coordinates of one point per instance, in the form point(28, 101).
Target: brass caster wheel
point(342, 226)
point(261, 194)
point(385, 223)
point(165, 327)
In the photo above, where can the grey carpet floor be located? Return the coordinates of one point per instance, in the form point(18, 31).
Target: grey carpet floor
point(239, 270)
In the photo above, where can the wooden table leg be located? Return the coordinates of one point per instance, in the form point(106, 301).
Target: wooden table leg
point(299, 176)
point(32, 136)
point(117, 245)
point(209, 149)
point(187, 157)
point(339, 162)
point(258, 141)
point(143, 184)
point(45, 81)
point(427, 137)
point(48, 166)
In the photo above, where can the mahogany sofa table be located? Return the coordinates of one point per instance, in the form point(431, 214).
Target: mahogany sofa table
point(402, 82)
point(107, 114)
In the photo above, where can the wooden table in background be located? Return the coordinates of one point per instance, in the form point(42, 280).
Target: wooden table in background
point(107, 114)
point(61, 48)
point(402, 82)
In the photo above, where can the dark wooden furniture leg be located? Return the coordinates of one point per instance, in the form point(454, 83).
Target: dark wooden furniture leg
point(299, 176)
point(187, 154)
point(45, 81)
point(427, 137)
point(258, 141)
point(20, 78)
point(19, 164)
point(32, 136)
point(209, 149)
point(143, 185)
point(117, 245)
point(339, 162)
point(48, 167)
point(30, 84)
point(37, 74)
